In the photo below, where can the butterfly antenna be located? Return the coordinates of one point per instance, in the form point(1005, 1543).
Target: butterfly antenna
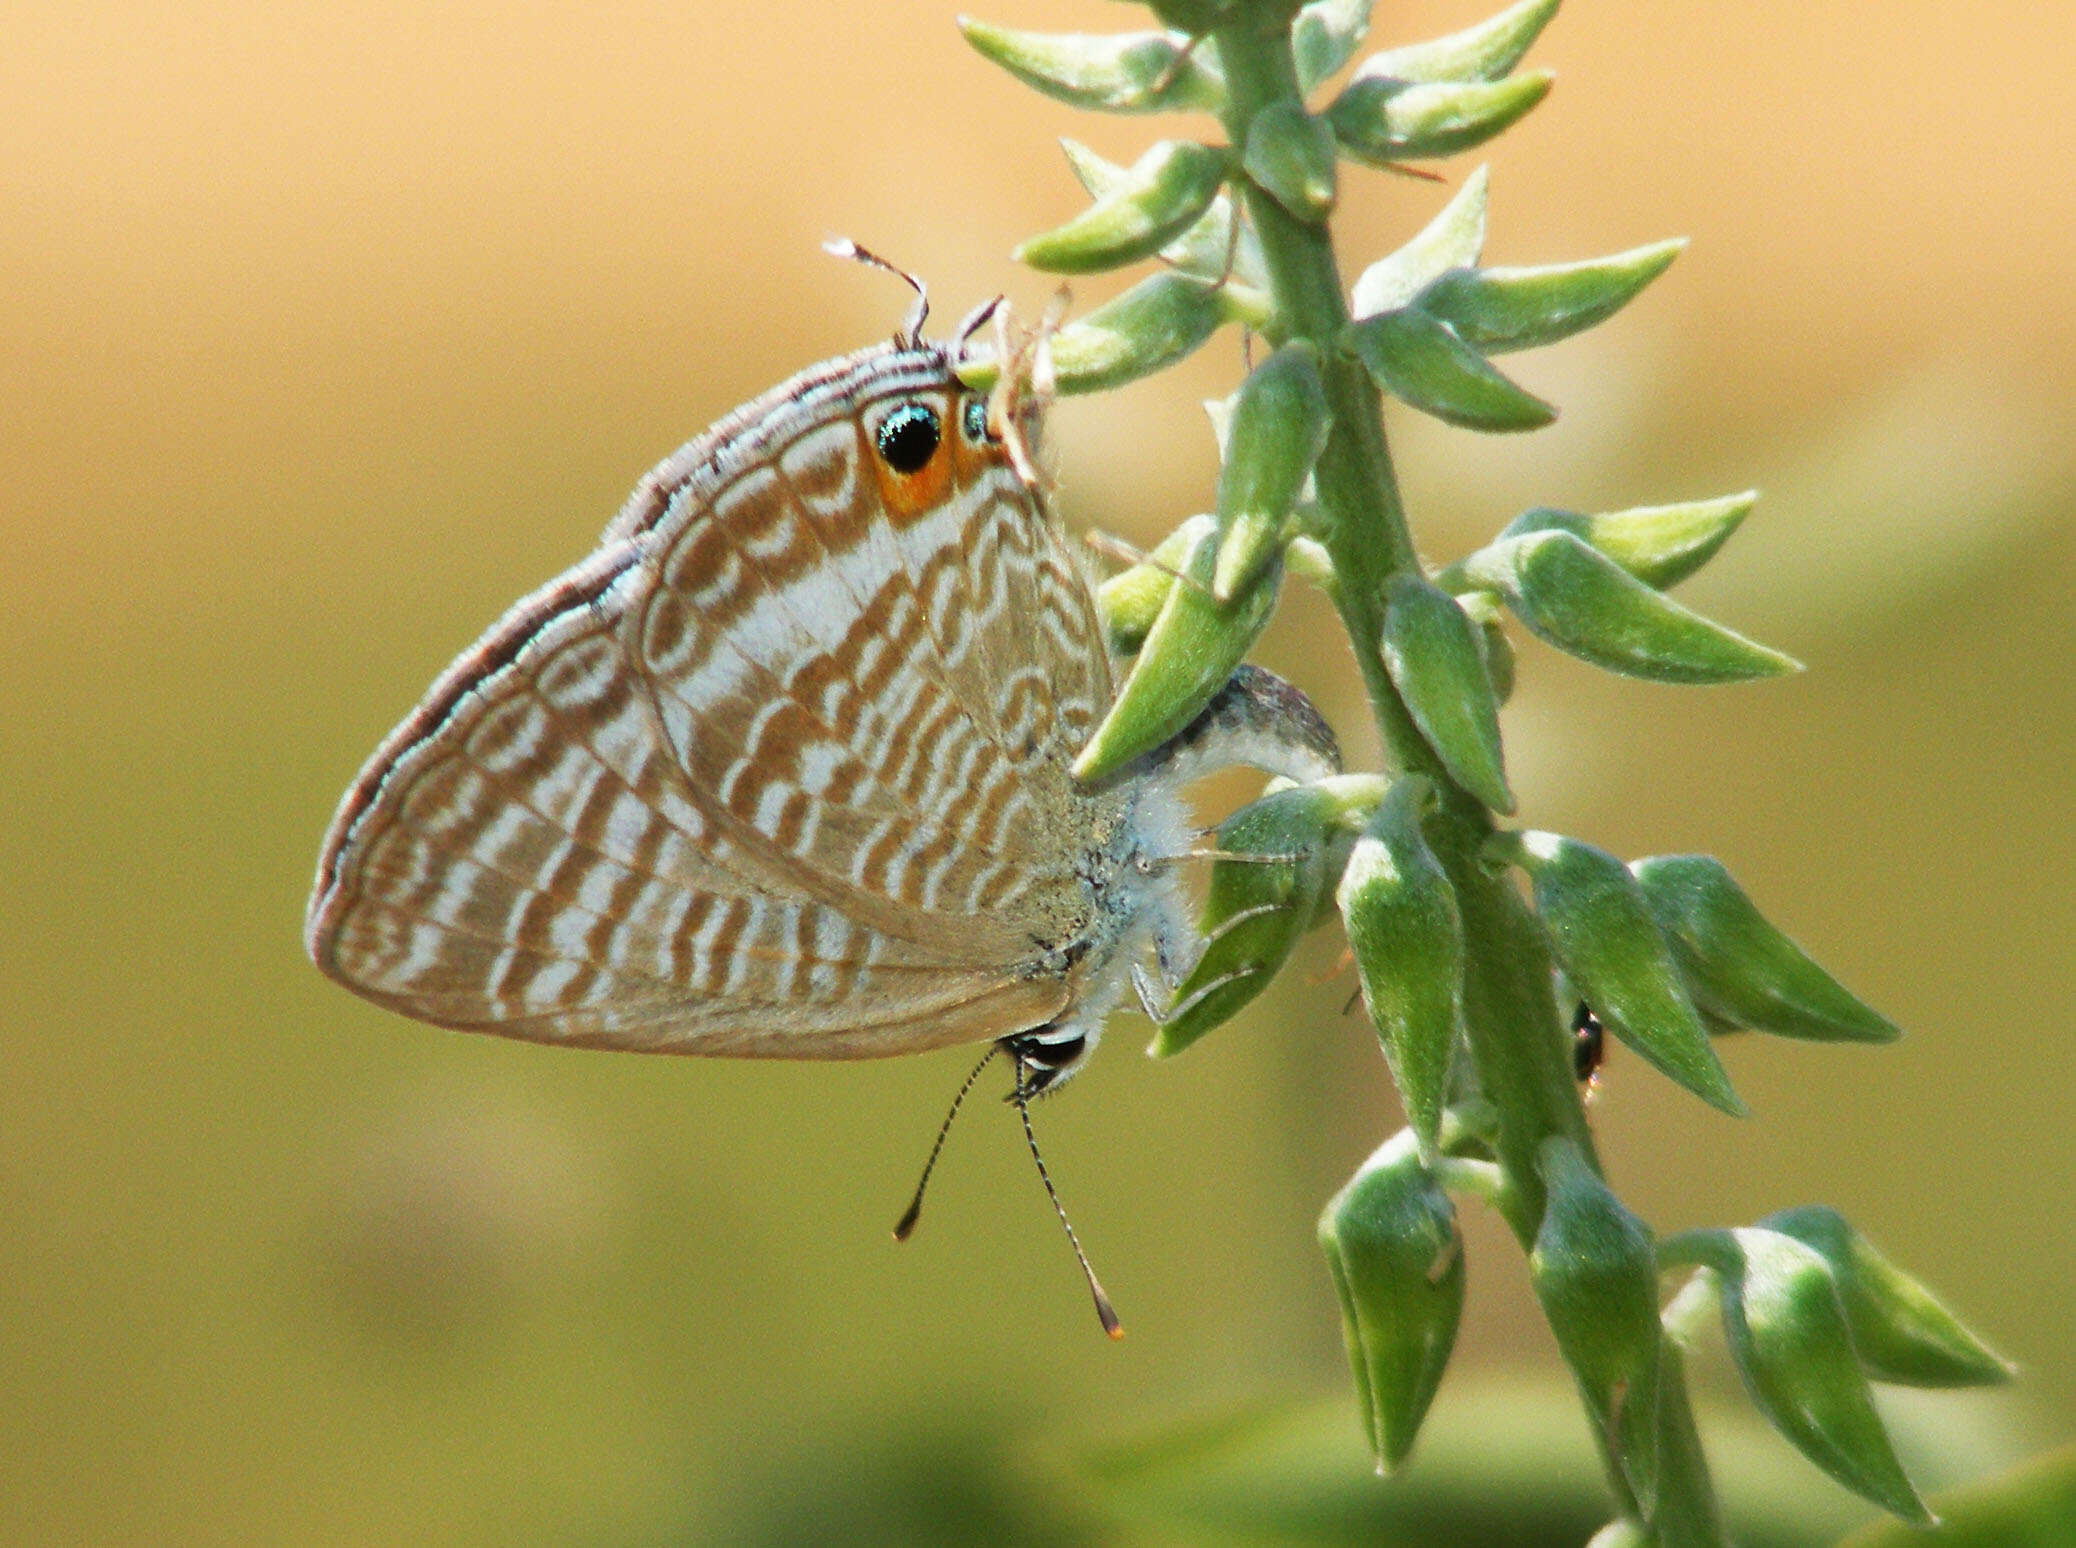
point(1105, 1312)
point(911, 334)
point(905, 1226)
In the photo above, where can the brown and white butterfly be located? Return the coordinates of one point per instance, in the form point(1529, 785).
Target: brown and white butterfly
point(781, 769)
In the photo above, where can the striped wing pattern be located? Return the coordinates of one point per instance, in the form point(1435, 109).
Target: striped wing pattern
point(779, 770)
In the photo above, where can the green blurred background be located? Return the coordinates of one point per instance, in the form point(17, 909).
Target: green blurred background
point(328, 330)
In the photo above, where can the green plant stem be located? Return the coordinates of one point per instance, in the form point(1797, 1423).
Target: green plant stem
point(1509, 1005)
point(1510, 1011)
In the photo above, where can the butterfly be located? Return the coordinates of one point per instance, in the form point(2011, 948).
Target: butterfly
point(782, 768)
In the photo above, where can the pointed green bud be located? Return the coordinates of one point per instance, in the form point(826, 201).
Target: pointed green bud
point(1392, 1246)
point(1382, 121)
point(1431, 651)
point(1900, 1331)
point(1687, 1514)
point(1661, 545)
point(1740, 968)
point(1454, 239)
point(1275, 433)
point(1132, 599)
point(1325, 36)
point(1256, 910)
point(1585, 604)
point(1603, 936)
point(1154, 324)
point(1623, 1533)
point(1290, 156)
point(1481, 53)
point(1136, 72)
point(1596, 1274)
point(1419, 360)
point(1188, 654)
point(1403, 926)
point(1210, 250)
point(1789, 1341)
point(1494, 310)
point(1160, 196)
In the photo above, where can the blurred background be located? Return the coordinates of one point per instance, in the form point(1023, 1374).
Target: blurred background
point(326, 331)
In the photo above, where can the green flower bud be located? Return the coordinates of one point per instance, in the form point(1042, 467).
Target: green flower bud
point(1382, 121)
point(1494, 310)
point(1132, 599)
point(1392, 1246)
point(1277, 428)
point(1900, 1331)
point(1161, 195)
point(1188, 654)
point(1454, 239)
point(1481, 53)
point(1585, 604)
point(1255, 911)
point(1290, 156)
point(1151, 325)
point(1661, 545)
point(1420, 360)
point(1789, 1340)
point(1136, 72)
point(1740, 968)
point(1325, 36)
point(1596, 1275)
point(1431, 651)
point(1687, 1514)
point(1403, 926)
point(1603, 936)
point(1210, 250)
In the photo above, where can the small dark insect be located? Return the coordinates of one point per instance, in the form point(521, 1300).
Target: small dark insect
point(1588, 1043)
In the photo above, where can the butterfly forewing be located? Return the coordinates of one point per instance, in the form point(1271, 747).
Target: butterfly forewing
point(773, 772)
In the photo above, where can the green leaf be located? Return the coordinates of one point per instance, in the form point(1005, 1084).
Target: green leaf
point(1432, 652)
point(1392, 1246)
point(1495, 310)
point(1407, 936)
point(1211, 249)
point(1325, 36)
point(1152, 325)
point(1481, 53)
point(1132, 599)
point(1596, 1275)
point(1453, 239)
point(1256, 910)
point(1189, 653)
point(1162, 194)
point(1789, 1341)
point(1418, 360)
point(1581, 601)
point(1603, 936)
point(1741, 969)
point(1290, 157)
point(1276, 430)
point(1386, 121)
point(1661, 545)
point(1900, 1331)
point(1136, 72)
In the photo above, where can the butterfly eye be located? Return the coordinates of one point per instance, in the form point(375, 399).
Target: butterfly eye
point(975, 419)
point(908, 437)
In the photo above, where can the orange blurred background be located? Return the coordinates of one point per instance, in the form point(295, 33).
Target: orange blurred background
point(328, 330)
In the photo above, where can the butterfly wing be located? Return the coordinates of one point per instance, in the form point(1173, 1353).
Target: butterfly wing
point(743, 781)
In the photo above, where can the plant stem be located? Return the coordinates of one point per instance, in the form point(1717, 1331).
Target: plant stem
point(1510, 1011)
